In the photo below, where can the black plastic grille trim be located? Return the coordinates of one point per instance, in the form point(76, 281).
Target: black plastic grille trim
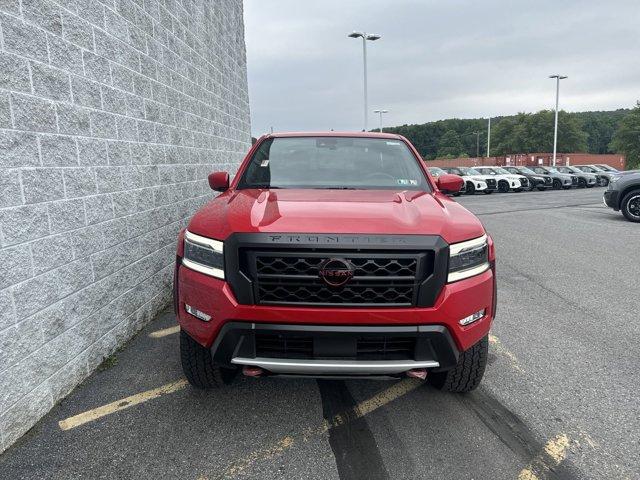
point(430, 251)
point(367, 347)
point(292, 278)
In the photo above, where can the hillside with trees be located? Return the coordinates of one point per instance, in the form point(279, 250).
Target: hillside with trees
point(591, 132)
point(626, 139)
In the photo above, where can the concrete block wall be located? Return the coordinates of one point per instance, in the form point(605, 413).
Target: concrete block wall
point(112, 113)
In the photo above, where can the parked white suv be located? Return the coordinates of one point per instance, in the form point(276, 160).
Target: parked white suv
point(474, 180)
point(506, 180)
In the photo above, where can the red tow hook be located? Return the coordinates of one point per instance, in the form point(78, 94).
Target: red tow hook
point(249, 371)
point(420, 373)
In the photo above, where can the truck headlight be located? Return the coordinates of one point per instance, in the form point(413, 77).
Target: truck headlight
point(203, 255)
point(467, 259)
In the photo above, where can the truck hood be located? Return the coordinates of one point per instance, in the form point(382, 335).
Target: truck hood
point(335, 211)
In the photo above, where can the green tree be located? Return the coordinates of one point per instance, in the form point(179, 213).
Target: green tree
point(533, 132)
point(449, 144)
point(600, 128)
point(626, 140)
point(521, 133)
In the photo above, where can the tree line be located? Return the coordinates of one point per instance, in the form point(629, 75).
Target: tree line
point(616, 131)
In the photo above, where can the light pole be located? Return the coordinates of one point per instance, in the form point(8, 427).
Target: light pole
point(380, 112)
point(489, 139)
point(365, 37)
point(555, 128)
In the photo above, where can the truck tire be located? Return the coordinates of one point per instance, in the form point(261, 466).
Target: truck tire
point(557, 184)
point(582, 183)
point(198, 365)
point(503, 186)
point(630, 206)
point(466, 375)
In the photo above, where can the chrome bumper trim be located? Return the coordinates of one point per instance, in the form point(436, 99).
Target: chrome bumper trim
point(327, 367)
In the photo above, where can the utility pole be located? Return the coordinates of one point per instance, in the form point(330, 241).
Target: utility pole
point(477, 144)
point(365, 37)
point(555, 128)
point(489, 139)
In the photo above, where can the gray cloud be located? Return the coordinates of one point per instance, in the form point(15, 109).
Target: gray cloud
point(437, 59)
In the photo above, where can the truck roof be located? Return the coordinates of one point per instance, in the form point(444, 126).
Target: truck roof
point(334, 134)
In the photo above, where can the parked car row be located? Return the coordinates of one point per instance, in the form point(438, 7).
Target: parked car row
point(487, 180)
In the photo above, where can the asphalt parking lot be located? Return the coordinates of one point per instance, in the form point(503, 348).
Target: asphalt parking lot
point(559, 399)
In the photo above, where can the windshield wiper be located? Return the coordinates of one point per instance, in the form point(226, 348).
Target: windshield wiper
point(335, 188)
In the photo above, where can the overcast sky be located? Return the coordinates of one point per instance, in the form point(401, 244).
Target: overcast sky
point(437, 59)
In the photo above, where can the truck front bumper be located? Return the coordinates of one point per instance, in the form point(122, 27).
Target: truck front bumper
point(333, 336)
point(334, 350)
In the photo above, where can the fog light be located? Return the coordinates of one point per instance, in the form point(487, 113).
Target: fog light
point(197, 313)
point(472, 318)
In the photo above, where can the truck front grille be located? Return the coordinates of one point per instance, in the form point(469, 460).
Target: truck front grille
point(286, 278)
point(344, 270)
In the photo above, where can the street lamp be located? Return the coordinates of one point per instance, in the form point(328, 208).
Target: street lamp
point(555, 128)
point(489, 139)
point(380, 112)
point(365, 37)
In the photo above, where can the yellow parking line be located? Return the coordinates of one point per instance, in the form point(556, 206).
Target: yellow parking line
point(555, 451)
point(364, 408)
point(164, 332)
point(505, 352)
point(91, 415)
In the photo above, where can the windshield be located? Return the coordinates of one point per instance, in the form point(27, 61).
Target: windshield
point(597, 169)
point(436, 171)
point(502, 171)
point(334, 163)
point(552, 169)
point(526, 170)
point(469, 171)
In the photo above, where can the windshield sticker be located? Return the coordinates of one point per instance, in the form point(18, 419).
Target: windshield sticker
point(406, 181)
point(264, 163)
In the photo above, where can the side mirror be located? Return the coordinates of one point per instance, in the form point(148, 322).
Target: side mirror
point(449, 183)
point(219, 181)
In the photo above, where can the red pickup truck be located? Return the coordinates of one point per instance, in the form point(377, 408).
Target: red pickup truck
point(335, 255)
